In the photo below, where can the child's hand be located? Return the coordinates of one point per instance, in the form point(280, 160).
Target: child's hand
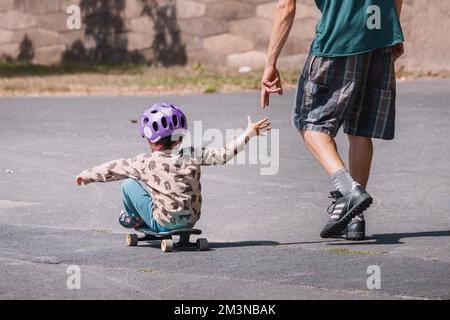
point(79, 180)
point(259, 127)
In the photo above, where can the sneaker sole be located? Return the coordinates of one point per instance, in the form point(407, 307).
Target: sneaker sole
point(355, 236)
point(336, 230)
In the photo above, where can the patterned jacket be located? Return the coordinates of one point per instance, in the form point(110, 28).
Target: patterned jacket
point(171, 177)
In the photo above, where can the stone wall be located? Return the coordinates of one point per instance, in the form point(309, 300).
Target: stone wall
point(213, 32)
point(112, 31)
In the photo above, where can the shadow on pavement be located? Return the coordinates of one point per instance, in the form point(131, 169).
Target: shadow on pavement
point(394, 238)
point(240, 244)
point(218, 245)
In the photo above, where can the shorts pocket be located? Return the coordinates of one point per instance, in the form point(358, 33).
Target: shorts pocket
point(312, 65)
point(319, 94)
point(317, 98)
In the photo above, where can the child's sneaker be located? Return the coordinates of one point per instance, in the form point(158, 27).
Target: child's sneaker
point(356, 229)
point(131, 222)
point(344, 208)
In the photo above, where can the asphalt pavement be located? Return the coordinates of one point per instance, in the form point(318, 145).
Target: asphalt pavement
point(263, 229)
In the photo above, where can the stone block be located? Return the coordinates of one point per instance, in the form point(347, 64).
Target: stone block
point(6, 36)
point(227, 43)
point(254, 59)
point(147, 54)
point(9, 51)
point(192, 42)
point(266, 10)
point(296, 45)
point(203, 26)
point(262, 42)
point(64, 4)
point(208, 58)
point(54, 21)
point(16, 20)
point(50, 55)
point(98, 23)
point(230, 10)
point(208, 1)
point(186, 9)
point(256, 2)
point(133, 8)
point(142, 24)
point(307, 11)
point(251, 27)
point(7, 5)
point(72, 36)
point(38, 7)
point(305, 29)
point(138, 41)
point(430, 47)
point(295, 61)
point(43, 37)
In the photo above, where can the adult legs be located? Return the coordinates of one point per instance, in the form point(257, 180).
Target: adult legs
point(324, 149)
point(360, 158)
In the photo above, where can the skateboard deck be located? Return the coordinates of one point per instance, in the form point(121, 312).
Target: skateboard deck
point(167, 243)
point(169, 234)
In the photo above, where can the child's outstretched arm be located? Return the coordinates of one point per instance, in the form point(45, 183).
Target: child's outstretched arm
point(113, 171)
point(219, 156)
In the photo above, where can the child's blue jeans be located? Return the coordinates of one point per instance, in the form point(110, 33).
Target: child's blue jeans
point(138, 203)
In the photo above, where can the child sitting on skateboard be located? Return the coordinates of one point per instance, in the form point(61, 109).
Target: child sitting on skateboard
point(162, 191)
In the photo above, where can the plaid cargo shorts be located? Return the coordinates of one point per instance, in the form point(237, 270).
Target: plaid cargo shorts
point(357, 92)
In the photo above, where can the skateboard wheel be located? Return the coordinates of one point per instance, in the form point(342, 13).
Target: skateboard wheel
point(202, 244)
point(132, 240)
point(167, 245)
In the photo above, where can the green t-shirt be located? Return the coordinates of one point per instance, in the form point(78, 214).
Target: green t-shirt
point(350, 27)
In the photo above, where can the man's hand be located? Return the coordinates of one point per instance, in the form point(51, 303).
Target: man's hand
point(399, 50)
point(79, 180)
point(271, 83)
point(259, 127)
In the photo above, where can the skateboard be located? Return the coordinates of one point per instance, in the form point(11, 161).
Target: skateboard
point(166, 238)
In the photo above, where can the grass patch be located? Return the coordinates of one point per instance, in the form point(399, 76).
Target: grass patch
point(409, 75)
point(76, 79)
point(22, 79)
point(210, 89)
point(20, 69)
point(147, 270)
point(350, 251)
point(101, 230)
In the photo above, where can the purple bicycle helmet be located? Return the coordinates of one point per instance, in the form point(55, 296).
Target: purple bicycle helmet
point(162, 120)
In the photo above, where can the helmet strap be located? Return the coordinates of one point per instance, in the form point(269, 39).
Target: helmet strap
point(158, 147)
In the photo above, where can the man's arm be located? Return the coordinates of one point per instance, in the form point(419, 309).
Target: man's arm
point(282, 24)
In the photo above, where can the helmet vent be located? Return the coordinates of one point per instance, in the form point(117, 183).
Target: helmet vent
point(183, 122)
point(175, 121)
point(164, 122)
point(155, 126)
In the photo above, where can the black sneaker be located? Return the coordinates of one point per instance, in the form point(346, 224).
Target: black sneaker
point(344, 208)
point(356, 229)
